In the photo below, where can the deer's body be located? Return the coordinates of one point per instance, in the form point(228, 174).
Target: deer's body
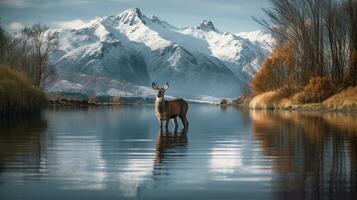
point(169, 109)
point(166, 110)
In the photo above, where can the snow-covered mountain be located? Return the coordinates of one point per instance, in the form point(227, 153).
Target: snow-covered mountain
point(260, 38)
point(121, 55)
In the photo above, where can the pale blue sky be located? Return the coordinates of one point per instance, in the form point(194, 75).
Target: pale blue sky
point(227, 15)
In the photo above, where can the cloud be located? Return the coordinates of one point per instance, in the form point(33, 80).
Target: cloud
point(77, 23)
point(16, 26)
point(13, 3)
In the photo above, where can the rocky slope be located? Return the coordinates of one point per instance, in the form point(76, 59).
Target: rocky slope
point(121, 55)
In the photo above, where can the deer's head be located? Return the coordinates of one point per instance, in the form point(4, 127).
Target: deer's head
point(160, 91)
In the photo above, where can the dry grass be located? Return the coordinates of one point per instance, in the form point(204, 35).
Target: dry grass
point(270, 100)
point(345, 100)
point(18, 95)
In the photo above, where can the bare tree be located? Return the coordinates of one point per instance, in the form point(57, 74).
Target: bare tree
point(3, 41)
point(29, 51)
point(351, 10)
point(335, 22)
point(322, 34)
point(43, 43)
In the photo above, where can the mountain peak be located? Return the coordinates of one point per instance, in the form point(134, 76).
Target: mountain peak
point(131, 16)
point(134, 11)
point(207, 25)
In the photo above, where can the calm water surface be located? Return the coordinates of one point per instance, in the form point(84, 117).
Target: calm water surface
point(118, 153)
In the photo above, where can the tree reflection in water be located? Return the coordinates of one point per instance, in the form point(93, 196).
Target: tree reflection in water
point(314, 154)
point(21, 143)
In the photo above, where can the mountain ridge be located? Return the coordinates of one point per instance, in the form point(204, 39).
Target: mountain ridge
point(132, 47)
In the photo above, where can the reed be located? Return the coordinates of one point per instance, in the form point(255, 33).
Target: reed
point(18, 95)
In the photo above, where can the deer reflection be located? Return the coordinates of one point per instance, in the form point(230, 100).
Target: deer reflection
point(170, 146)
point(20, 140)
point(314, 153)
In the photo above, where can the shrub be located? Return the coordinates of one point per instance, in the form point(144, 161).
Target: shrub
point(18, 95)
point(244, 99)
point(116, 100)
point(344, 100)
point(93, 100)
point(276, 72)
point(224, 102)
point(318, 89)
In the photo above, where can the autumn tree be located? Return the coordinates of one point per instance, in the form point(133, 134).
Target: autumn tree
point(322, 34)
point(299, 22)
point(276, 72)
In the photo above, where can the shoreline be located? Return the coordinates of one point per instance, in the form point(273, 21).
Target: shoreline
point(313, 107)
point(316, 107)
point(343, 101)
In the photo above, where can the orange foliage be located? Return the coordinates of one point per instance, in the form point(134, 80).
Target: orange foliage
point(276, 71)
point(318, 89)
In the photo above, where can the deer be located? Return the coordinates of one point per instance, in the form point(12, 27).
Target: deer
point(166, 110)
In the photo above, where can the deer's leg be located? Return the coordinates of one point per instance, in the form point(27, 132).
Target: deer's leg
point(184, 122)
point(175, 122)
point(176, 125)
point(161, 132)
point(167, 125)
point(161, 124)
point(175, 131)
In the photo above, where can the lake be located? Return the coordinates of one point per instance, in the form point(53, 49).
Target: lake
point(228, 153)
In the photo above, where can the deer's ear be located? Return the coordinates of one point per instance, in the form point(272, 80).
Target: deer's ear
point(166, 86)
point(154, 86)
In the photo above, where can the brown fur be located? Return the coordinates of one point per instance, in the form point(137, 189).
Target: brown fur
point(169, 109)
point(166, 110)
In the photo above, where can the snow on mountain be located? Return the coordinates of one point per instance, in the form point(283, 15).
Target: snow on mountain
point(122, 55)
point(69, 87)
point(206, 25)
point(259, 37)
point(90, 85)
point(239, 53)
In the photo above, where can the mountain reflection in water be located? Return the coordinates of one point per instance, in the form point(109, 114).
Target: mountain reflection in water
point(230, 153)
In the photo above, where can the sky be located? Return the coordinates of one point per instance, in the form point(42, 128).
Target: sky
point(226, 15)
